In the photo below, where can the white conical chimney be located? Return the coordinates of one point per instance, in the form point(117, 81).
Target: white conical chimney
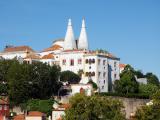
point(83, 41)
point(69, 41)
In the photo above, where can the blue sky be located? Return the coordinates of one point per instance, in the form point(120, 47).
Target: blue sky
point(130, 29)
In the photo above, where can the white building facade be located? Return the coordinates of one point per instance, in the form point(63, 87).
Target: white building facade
point(74, 55)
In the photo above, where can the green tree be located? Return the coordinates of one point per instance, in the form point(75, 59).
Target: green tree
point(36, 80)
point(18, 87)
point(94, 108)
point(152, 79)
point(148, 89)
point(127, 82)
point(44, 106)
point(70, 77)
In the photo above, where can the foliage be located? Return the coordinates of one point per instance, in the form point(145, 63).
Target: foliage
point(94, 108)
point(102, 51)
point(127, 83)
point(23, 81)
point(94, 85)
point(150, 112)
point(129, 95)
point(44, 106)
point(139, 74)
point(70, 77)
point(152, 79)
point(148, 88)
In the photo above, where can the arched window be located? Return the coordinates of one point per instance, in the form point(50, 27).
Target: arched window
point(72, 62)
point(93, 60)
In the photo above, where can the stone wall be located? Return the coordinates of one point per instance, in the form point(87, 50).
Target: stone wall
point(131, 104)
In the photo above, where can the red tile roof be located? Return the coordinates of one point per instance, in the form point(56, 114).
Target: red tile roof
point(19, 117)
point(52, 48)
point(35, 113)
point(49, 56)
point(32, 56)
point(18, 48)
point(122, 65)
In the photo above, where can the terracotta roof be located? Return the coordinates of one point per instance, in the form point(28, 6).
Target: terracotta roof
point(19, 117)
point(32, 56)
point(18, 48)
point(52, 48)
point(122, 65)
point(49, 56)
point(35, 113)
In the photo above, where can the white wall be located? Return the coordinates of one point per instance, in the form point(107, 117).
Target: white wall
point(57, 114)
point(11, 55)
point(76, 89)
point(33, 118)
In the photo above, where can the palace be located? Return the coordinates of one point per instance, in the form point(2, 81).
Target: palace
point(73, 54)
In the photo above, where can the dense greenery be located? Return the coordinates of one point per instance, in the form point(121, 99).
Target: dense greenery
point(152, 79)
point(70, 77)
point(127, 83)
point(147, 89)
point(44, 106)
point(26, 81)
point(94, 108)
point(152, 111)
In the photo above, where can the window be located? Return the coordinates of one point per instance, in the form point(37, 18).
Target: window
point(0, 107)
point(115, 76)
point(90, 61)
point(71, 62)
point(64, 61)
point(104, 62)
point(102, 87)
point(99, 73)
point(89, 67)
point(93, 60)
point(104, 81)
point(86, 74)
point(99, 61)
point(104, 74)
point(79, 61)
point(93, 73)
point(115, 64)
point(86, 61)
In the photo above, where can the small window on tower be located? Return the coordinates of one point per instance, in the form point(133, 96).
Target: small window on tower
point(99, 73)
point(115, 64)
point(104, 74)
point(72, 62)
point(104, 62)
